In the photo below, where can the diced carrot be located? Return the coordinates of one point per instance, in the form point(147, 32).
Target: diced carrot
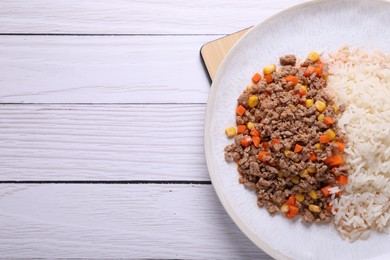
point(335, 160)
point(241, 129)
point(273, 164)
point(328, 120)
point(325, 190)
point(292, 79)
point(291, 200)
point(256, 141)
point(293, 210)
point(297, 148)
point(255, 132)
point(342, 179)
point(240, 110)
point(265, 145)
point(269, 78)
point(313, 157)
point(329, 208)
point(289, 215)
point(309, 71)
point(256, 78)
point(246, 141)
point(275, 141)
point(318, 70)
point(340, 146)
point(324, 139)
point(261, 155)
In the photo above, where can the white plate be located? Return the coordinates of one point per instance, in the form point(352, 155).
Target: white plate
point(323, 26)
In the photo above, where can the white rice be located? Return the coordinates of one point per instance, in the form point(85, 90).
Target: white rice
point(361, 81)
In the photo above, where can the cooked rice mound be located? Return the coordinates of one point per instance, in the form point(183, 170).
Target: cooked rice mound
point(361, 81)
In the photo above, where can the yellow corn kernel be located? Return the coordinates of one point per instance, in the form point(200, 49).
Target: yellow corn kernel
point(304, 174)
point(253, 101)
point(336, 109)
point(287, 153)
point(331, 134)
point(309, 102)
point(313, 194)
point(292, 107)
point(269, 69)
point(318, 147)
point(297, 160)
point(294, 179)
point(284, 208)
point(320, 117)
point(311, 169)
point(314, 208)
point(313, 56)
point(230, 131)
point(299, 197)
point(250, 125)
point(320, 106)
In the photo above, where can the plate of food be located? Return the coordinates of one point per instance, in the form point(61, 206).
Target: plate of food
point(297, 132)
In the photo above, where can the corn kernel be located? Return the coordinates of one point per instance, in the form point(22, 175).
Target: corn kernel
point(292, 107)
point(336, 109)
point(311, 169)
point(314, 208)
point(309, 102)
point(304, 174)
point(230, 131)
point(269, 69)
point(287, 153)
point(253, 101)
point(318, 147)
point(284, 208)
point(331, 134)
point(294, 179)
point(313, 56)
point(297, 160)
point(302, 90)
point(313, 194)
point(250, 125)
point(320, 106)
point(299, 197)
point(320, 117)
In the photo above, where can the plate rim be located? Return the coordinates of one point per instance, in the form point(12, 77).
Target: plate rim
point(207, 140)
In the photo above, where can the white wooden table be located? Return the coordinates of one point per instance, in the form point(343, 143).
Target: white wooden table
point(101, 128)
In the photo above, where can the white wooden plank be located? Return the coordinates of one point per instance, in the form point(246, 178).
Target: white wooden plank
point(126, 69)
point(148, 16)
point(127, 221)
point(102, 142)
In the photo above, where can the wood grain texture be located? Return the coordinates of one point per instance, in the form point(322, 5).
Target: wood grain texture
point(126, 69)
point(102, 142)
point(132, 221)
point(135, 17)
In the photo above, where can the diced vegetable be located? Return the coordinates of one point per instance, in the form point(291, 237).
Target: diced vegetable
point(335, 160)
point(241, 129)
point(340, 146)
point(269, 69)
point(331, 134)
point(313, 157)
point(335, 109)
point(287, 153)
point(292, 79)
point(328, 120)
point(255, 132)
point(320, 117)
point(313, 194)
point(302, 90)
point(269, 78)
point(261, 155)
point(320, 106)
point(250, 125)
point(253, 101)
point(265, 145)
point(230, 131)
point(329, 208)
point(256, 141)
point(309, 102)
point(304, 173)
point(293, 211)
point(325, 190)
point(311, 170)
point(240, 110)
point(246, 141)
point(299, 197)
point(318, 147)
point(313, 56)
point(256, 78)
point(291, 200)
point(318, 70)
point(284, 208)
point(314, 208)
point(294, 179)
point(275, 141)
point(309, 71)
point(297, 148)
point(324, 139)
point(342, 179)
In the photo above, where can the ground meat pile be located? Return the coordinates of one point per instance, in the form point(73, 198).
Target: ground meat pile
point(288, 147)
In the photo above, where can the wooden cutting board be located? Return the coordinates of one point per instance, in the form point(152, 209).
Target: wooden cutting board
point(215, 51)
